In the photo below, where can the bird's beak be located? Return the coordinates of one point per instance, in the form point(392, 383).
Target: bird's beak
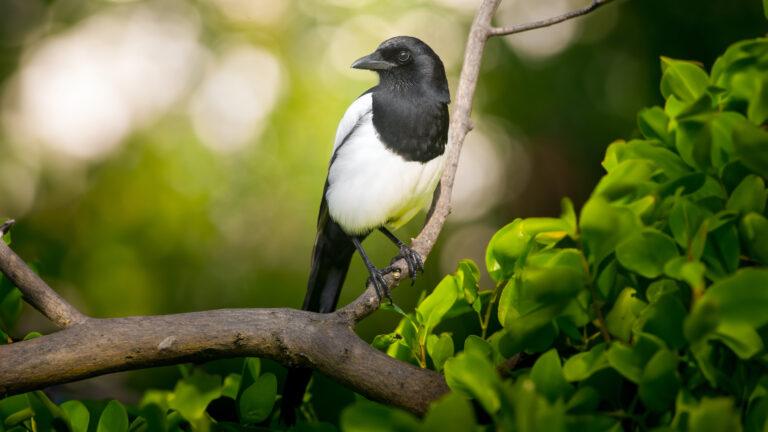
point(372, 61)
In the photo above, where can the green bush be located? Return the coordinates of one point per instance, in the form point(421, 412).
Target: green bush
point(648, 310)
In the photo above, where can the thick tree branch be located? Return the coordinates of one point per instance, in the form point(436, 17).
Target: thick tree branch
point(89, 347)
point(36, 292)
point(289, 336)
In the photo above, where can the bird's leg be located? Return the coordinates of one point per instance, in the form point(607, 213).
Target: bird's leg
point(377, 276)
point(411, 257)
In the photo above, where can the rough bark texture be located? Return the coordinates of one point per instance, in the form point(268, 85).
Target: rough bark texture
point(288, 336)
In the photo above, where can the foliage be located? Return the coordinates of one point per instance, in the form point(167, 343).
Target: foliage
point(647, 310)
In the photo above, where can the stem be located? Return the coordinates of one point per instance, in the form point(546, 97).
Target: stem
point(595, 299)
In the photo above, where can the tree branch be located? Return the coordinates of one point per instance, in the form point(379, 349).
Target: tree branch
point(90, 347)
point(36, 292)
point(502, 31)
point(289, 336)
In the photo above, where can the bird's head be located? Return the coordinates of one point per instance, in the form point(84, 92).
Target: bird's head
point(403, 62)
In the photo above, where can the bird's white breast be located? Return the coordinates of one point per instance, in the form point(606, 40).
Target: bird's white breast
point(369, 185)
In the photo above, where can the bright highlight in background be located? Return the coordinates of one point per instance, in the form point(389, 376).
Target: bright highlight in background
point(82, 92)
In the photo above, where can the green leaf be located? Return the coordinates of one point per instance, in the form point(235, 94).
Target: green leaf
point(505, 247)
point(685, 80)
point(603, 226)
point(685, 220)
point(155, 417)
point(691, 272)
point(653, 124)
point(754, 233)
point(510, 246)
point(231, 385)
point(473, 375)
point(256, 402)
point(547, 375)
point(669, 162)
point(406, 331)
point(440, 349)
point(538, 295)
point(646, 252)
point(32, 335)
point(751, 144)
point(694, 143)
point(740, 337)
point(15, 409)
point(715, 415)
point(659, 382)
point(193, 394)
point(582, 365)
point(584, 401)
point(431, 311)
point(114, 418)
point(78, 414)
point(627, 178)
point(568, 216)
point(450, 412)
point(703, 319)
point(742, 297)
point(757, 416)
point(251, 371)
point(664, 318)
point(630, 360)
point(659, 289)
point(622, 316)
point(467, 277)
point(368, 416)
point(749, 196)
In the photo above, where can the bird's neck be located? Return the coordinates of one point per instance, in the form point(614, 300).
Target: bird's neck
point(412, 121)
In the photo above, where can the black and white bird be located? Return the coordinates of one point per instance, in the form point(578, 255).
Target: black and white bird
point(387, 160)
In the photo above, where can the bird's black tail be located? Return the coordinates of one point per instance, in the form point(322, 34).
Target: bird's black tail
point(331, 255)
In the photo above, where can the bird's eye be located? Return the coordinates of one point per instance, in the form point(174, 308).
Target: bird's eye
point(403, 56)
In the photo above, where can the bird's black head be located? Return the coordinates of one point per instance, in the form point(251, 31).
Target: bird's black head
point(404, 62)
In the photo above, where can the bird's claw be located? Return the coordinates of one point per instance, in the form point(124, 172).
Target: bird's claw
point(377, 279)
point(412, 259)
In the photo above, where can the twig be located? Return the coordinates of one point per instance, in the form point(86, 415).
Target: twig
point(6, 226)
point(502, 31)
point(505, 369)
point(36, 292)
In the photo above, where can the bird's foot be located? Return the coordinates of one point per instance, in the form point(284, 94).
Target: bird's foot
point(412, 259)
point(377, 279)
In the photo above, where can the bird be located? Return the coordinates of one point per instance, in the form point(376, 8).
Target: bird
point(387, 159)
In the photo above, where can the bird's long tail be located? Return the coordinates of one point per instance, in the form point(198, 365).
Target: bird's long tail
point(331, 255)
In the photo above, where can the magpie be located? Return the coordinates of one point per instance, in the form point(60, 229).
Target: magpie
point(387, 160)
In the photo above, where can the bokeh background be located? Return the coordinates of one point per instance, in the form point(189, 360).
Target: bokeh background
point(168, 156)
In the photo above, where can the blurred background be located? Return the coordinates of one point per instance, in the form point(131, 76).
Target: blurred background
point(168, 156)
